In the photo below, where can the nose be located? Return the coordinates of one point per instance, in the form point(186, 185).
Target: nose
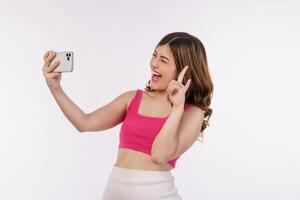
point(154, 63)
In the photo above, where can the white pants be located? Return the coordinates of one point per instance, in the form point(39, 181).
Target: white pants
point(132, 184)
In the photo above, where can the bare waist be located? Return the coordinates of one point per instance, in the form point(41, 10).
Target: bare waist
point(132, 159)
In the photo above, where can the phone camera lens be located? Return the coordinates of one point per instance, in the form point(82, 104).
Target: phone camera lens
point(68, 56)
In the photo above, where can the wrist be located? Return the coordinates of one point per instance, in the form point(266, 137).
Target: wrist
point(178, 108)
point(55, 89)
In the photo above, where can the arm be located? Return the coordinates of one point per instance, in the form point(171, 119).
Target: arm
point(103, 118)
point(110, 114)
point(178, 134)
point(164, 145)
point(73, 113)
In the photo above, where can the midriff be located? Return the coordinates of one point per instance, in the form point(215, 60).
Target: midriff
point(132, 159)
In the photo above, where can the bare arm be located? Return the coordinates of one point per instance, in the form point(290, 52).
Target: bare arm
point(103, 118)
point(110, 114)
point(73, 113)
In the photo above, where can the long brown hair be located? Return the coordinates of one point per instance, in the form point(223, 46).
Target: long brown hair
point(189, 50)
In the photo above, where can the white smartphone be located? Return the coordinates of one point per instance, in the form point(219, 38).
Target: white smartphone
point(66, 61)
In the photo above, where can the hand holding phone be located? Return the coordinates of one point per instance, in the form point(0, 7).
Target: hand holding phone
point(66, 61)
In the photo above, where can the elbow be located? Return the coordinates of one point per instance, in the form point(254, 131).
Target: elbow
point(80, 129)
point(159, 157)
point(157, 160)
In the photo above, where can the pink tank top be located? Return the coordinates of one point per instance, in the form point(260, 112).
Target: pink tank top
point(138, 131)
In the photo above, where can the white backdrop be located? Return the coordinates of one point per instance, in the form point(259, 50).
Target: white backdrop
point(250, 150)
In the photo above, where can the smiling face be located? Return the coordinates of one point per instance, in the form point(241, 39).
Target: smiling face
point(162, 62)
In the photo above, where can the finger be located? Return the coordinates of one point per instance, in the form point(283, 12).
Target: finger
point(173, 82)
point(176, 82)
point(181, 75)
point(52, 66)
point(53, 75)
point(49, 68)
point(186, 87)
point(46, 55)
point(172, 89)
point(50, 57)
point(169, 86)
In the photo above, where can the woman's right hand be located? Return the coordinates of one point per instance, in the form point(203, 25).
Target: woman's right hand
point(52, 78)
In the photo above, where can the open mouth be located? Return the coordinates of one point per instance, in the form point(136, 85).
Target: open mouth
point(155, 76)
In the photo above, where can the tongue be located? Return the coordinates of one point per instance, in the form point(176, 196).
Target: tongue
point(156, 77)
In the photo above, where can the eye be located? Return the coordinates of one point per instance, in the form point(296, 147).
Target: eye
point(160, 59)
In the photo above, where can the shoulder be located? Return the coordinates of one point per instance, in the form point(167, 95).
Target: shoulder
point(193, 111)
point(128, 95)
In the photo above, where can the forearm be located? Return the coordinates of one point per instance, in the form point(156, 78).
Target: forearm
point(165, 143)
point(73, 113)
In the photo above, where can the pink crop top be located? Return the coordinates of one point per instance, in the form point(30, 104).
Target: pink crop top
point(138, 131)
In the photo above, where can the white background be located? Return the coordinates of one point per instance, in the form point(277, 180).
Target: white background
point(251, 148)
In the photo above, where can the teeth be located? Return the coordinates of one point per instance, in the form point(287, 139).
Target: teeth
point(155, 73)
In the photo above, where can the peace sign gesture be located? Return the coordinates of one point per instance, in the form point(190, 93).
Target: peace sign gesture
point(176, 90)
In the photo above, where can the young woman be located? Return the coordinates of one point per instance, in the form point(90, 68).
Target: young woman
point(160, 122)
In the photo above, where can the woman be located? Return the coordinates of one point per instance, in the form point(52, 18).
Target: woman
point(159, 124)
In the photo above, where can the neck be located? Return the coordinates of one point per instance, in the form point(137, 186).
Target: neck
point(159, 94)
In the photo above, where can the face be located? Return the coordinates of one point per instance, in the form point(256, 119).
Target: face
point(163, 63)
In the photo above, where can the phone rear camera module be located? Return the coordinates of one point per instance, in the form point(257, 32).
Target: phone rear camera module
point(68, 56)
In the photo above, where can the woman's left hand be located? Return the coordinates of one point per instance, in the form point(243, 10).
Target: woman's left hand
point(176, 90)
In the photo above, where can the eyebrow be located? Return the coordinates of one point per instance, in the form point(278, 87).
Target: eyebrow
point(162, 56)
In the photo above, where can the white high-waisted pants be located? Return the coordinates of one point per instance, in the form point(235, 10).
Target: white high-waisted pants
point(132, 184)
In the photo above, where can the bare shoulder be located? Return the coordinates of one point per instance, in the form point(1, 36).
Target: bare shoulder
point(109, 115)
point(194, 107)
point(127, 96)
point(194, 111)
point(121, 101)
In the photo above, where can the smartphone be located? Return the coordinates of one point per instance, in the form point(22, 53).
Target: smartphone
point(66, 61)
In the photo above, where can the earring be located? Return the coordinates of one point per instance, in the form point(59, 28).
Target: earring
point(148, 85)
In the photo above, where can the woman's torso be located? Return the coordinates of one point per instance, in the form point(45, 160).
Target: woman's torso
point(132, 159)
